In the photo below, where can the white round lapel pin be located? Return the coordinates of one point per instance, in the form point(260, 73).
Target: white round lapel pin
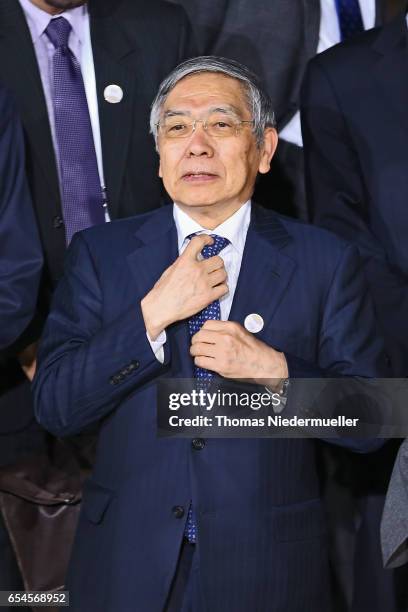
point(253, 323)
point(113, 94)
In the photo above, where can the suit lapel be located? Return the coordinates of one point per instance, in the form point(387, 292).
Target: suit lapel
point(265, 270)
point(24, 76)
point(156, 250)
point(391, 49)
point(111, 47)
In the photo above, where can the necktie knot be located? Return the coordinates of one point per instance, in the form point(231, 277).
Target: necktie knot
point(58, 31)
point(210, 250)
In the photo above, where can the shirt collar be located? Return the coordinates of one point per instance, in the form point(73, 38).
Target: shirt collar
point(234, 228)
point(38, 19)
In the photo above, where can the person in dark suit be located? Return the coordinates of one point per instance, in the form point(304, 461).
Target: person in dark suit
point(20, 273)
point(216, 524)
point(354, 122)
point(127, 62)
point(83, 77)
point(21, 253)
point(277, 38)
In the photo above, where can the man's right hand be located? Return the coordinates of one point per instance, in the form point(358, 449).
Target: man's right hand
point(185, 288)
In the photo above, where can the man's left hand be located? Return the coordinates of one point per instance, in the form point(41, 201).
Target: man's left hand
point(227, 348)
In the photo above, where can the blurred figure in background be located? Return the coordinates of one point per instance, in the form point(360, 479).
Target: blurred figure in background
point(355, 130)
point(20, 248)
point(276, 38)
point(20, 273)
point(83, 78)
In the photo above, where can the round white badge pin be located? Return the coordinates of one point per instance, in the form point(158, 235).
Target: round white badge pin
point(113, 94)
point(253, 323)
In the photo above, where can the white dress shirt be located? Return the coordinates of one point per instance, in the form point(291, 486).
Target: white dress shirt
point(329, 35)
point(80, 45)
point(235, 229)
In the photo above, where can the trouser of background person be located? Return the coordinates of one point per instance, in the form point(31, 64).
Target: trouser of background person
point(18, 438)
point(354, 495)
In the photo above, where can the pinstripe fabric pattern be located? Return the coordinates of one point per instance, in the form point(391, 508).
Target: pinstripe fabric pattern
point(262, 534)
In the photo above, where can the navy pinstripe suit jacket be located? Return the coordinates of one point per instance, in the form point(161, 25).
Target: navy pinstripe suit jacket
point(261, 525)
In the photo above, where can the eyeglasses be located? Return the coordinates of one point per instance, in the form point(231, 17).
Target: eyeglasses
point(216, 126)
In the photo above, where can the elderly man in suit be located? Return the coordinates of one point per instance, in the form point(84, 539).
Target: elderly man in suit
point(83, 76)
point(202, 524)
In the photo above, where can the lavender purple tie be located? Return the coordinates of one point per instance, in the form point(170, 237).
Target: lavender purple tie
point(82, 198)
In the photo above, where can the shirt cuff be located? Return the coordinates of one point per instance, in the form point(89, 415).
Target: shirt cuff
point(157, 345)
point(282, 393)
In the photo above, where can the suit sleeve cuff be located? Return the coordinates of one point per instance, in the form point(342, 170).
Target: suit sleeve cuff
point(298, 368)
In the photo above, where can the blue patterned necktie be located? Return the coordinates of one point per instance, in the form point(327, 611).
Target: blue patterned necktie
point(82, 198)
point(350, 19)
point(211, 313)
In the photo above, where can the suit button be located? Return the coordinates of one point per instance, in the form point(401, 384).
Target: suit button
point(133, 365)
point(198, 444)
point(178, 512)
point(58, 221)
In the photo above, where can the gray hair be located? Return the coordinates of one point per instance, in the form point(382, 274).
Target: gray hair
point(259, 102)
